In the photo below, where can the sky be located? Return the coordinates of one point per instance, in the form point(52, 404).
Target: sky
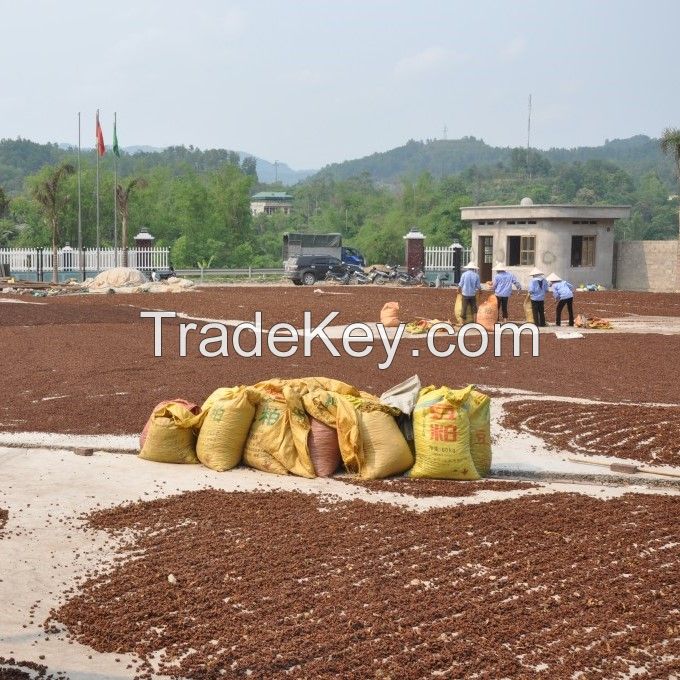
point(311, 83)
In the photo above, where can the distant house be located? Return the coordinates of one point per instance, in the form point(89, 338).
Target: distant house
point(574, 241)
point(270, 202)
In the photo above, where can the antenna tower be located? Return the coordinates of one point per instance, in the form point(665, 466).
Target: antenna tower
point(529, 139)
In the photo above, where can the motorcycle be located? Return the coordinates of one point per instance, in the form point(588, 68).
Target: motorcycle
point(379, 277)
point(417, 279)
point(360, 277)
point(341, 277)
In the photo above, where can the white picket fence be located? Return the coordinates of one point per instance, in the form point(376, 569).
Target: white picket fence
point(69, 259)
point(440, 258)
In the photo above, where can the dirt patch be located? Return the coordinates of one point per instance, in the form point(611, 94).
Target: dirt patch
point(275, 585)
point(647, 434)
point(426, 488)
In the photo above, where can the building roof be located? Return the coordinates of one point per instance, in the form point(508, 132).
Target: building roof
point(545, 211)
point(271, 196)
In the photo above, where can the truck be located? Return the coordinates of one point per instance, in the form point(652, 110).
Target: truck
point(297, 245)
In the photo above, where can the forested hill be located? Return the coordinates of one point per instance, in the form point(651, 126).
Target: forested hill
point(20, 158)
point(440, 157)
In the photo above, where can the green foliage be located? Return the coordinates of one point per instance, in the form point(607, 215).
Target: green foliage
point(197, 202)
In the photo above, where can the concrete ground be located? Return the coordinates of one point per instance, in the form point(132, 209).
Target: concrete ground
point(45, 549)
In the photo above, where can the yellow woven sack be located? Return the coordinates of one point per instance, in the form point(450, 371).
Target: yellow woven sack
point(275, 386)
point(268, 431)
point(458, 310)
point(479, 415)
point(221, 393)
point(528, 310)
point(277, 441)
point(334, 410)
point(171, 437)
point(384, 451)
point(441, 430)
point(224, 430)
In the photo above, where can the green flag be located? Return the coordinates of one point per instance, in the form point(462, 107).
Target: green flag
point(116, 150)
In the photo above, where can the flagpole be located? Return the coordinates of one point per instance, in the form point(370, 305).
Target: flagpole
point(80, 213)
point(115, 207)
point(97, 191)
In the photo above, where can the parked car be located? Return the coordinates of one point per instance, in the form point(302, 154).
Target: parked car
point(308, 269)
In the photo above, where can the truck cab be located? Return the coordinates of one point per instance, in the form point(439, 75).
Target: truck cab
point(352, 256)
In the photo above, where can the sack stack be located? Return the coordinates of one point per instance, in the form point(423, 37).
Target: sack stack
point(309, 426)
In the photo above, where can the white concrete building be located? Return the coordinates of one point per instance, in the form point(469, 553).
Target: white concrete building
point(574, 241)
point(270, 202)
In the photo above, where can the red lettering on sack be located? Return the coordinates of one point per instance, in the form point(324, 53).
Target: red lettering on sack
point(443, 433)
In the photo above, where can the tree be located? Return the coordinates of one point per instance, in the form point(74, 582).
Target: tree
point(4, 203)
point(52, 200)
point(122, 201)
point(670, 145)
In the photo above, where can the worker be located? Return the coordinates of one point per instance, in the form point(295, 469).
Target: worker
point(502, 285)
point(563, 292)
point(469, 284)
point(538, 287)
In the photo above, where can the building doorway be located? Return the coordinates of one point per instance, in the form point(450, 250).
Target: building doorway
point(485, 257)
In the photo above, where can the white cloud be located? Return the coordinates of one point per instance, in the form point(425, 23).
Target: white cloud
point(427, 61)
point(304, 77)
point(515, 48)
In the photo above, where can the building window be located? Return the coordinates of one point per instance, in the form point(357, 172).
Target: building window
point(582, 251)
point(521, 250)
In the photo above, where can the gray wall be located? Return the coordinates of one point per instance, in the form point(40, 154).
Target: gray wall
point(647, 266)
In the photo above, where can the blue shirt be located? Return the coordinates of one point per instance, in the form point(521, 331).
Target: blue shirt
point(538, 287)
point(503, 283)
point(469, 283)
point(563, 290)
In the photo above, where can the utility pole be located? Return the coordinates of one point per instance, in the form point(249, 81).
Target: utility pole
point(529, 139)
point(276, 171)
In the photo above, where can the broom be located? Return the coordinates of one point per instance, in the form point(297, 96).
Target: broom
point(627, 468)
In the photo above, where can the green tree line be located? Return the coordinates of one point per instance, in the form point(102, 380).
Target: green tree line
point(201, 210)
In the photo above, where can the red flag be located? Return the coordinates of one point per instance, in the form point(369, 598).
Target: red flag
point(101, 149)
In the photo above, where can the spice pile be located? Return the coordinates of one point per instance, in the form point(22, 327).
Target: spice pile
point(11, 669)
point(426, 488)
point(645, 433)
point(273, 585)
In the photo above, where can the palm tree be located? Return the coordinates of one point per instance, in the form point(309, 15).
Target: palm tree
point(670, 145)
point(122, 199)
point(7, 233)
point(52, 201)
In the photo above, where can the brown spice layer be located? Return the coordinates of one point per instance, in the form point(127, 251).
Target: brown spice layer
point(425, 488)
point(11, 669)
point(85, 364)
point(270, 586)
point(288, 303)
point(648, 434)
